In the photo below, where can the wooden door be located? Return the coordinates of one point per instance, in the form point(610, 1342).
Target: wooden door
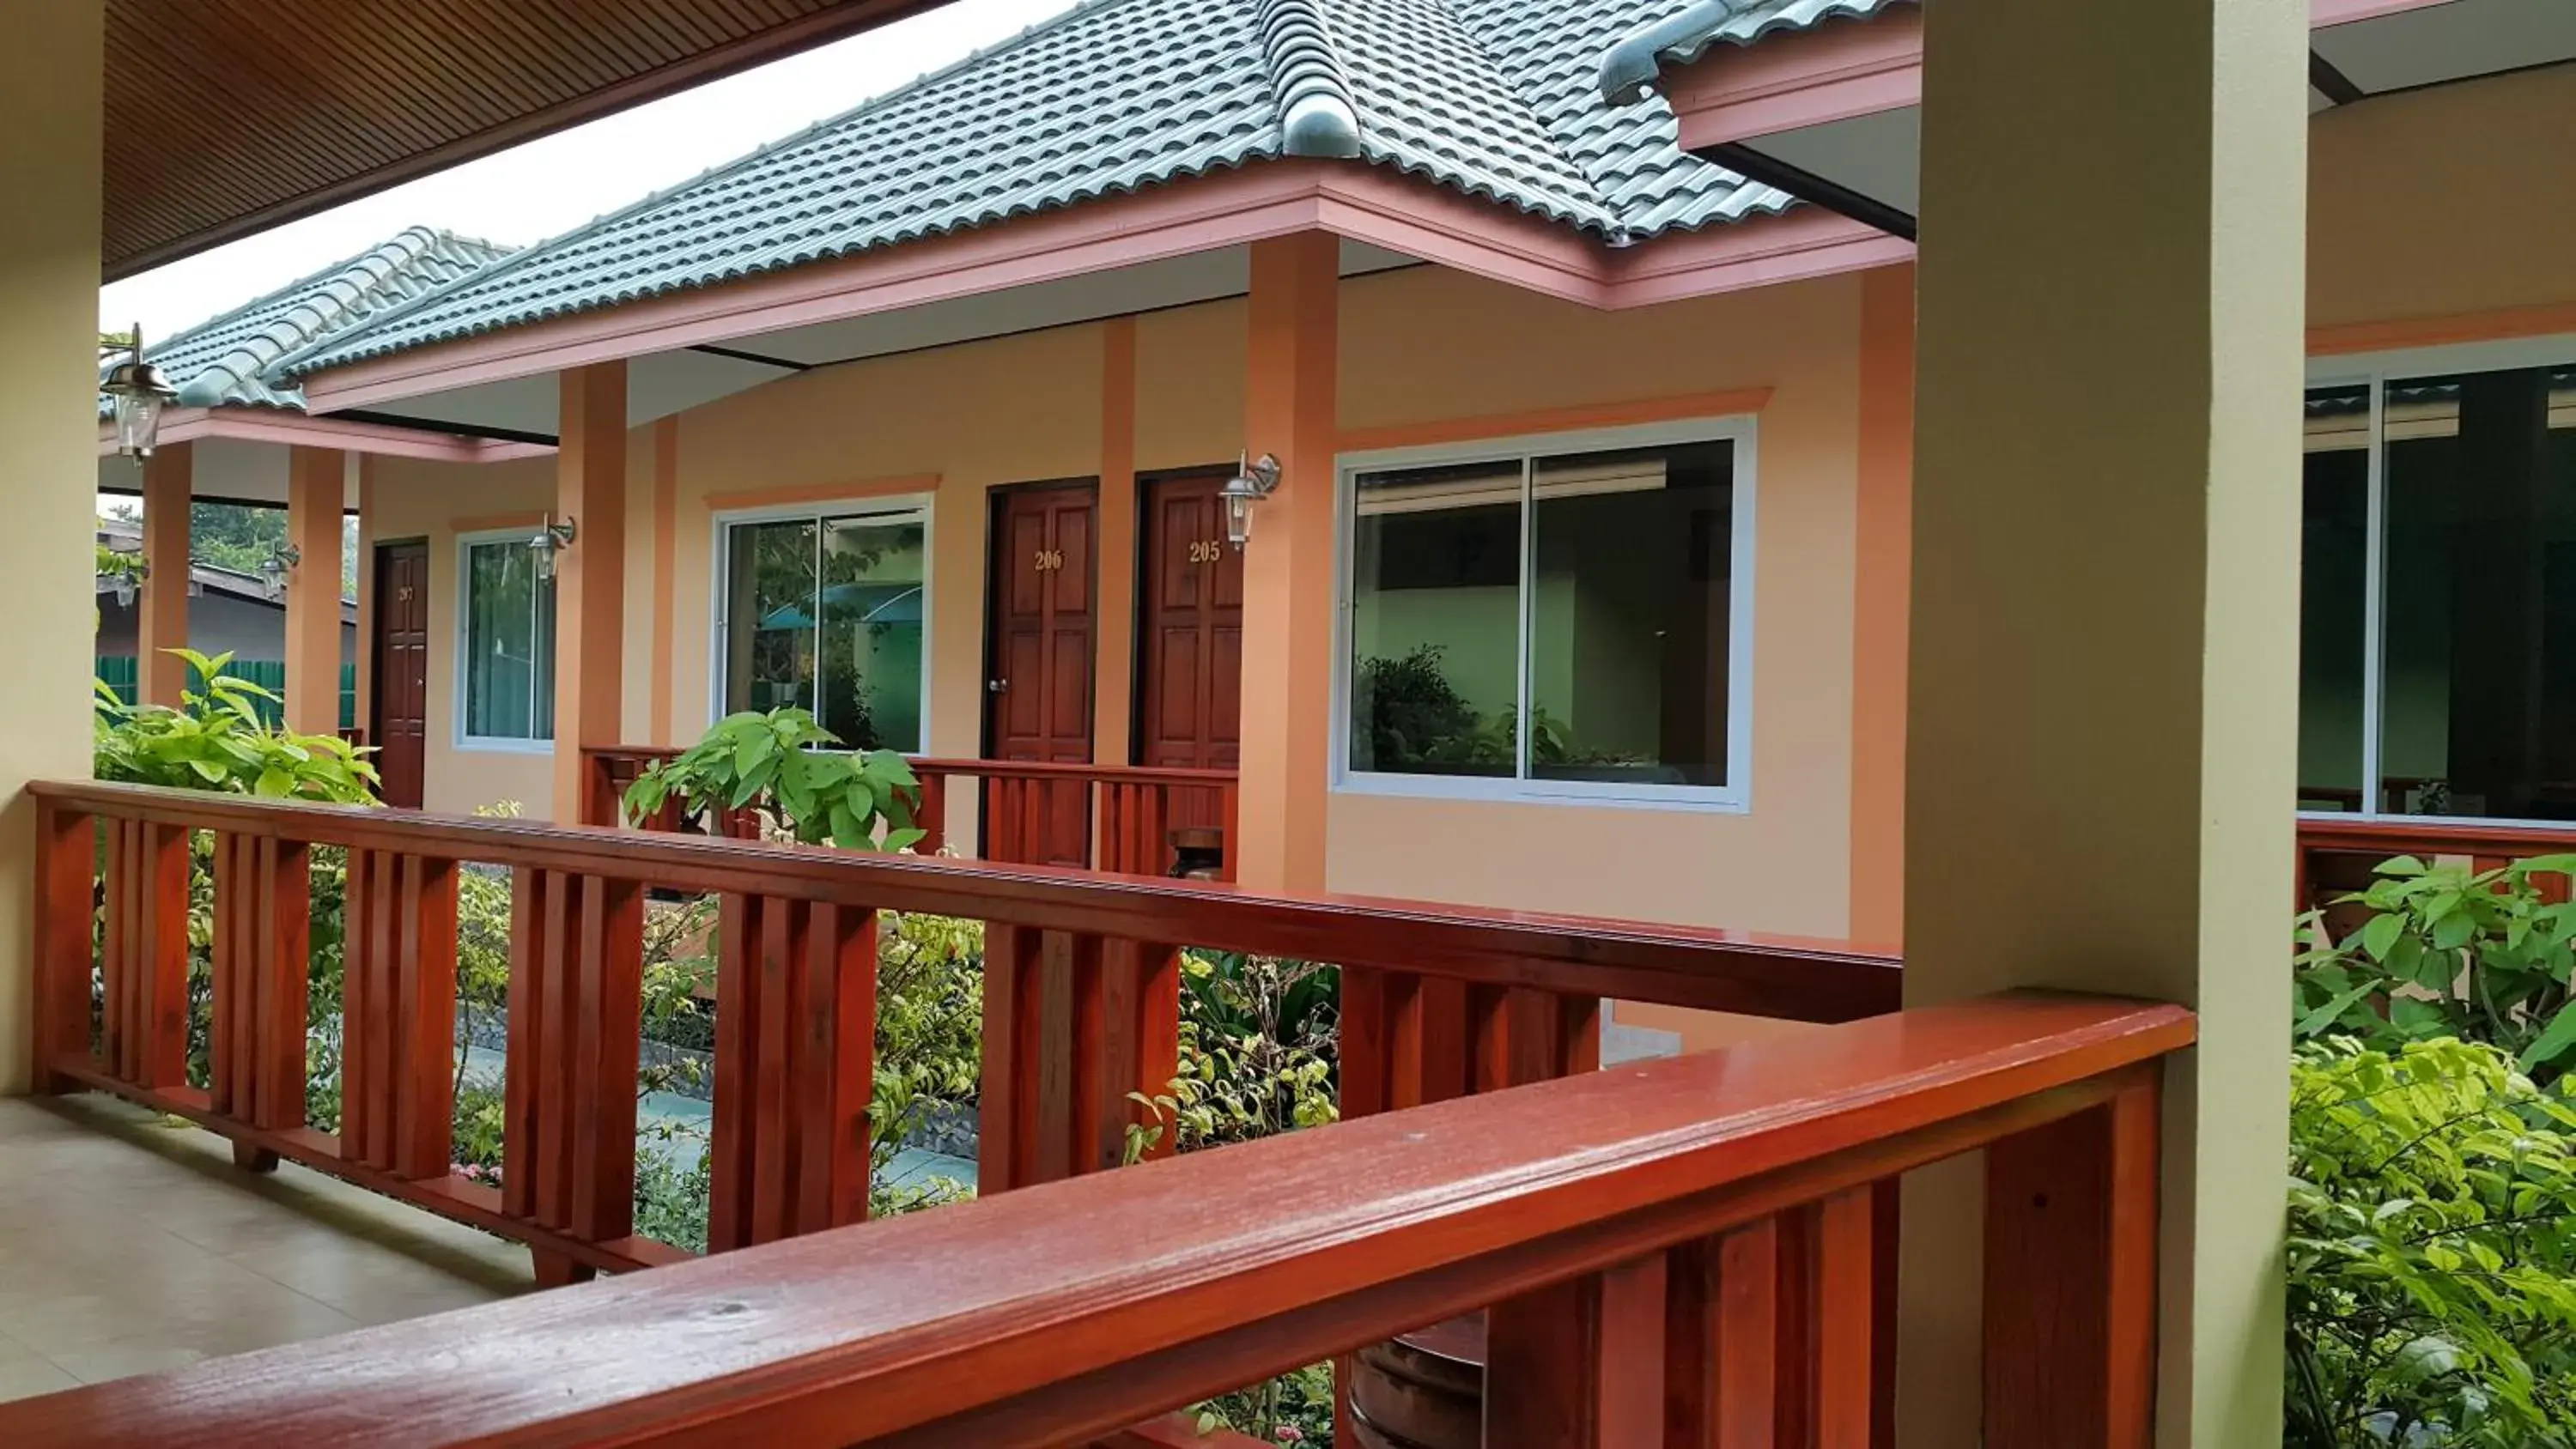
point(1190, 701)
point(399, 728)
point(1039, 668)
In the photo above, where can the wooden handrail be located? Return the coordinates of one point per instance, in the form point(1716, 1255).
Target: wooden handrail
point(1054, 1315)
point(1081, 999)
point(1116, 818)
point(1750, 973)
point(2336, 854)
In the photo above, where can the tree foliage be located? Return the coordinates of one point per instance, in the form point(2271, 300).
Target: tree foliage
point(218, 740)
point(2432, 1250)
point(781, 764)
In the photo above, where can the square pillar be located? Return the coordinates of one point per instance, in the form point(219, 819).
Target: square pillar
point(161, 613)
point(590, 576)
point(49, 260)
point(1114, 667)
point(2099, 781)
point(317, 491)
point(363, 715)
point(1289, 411)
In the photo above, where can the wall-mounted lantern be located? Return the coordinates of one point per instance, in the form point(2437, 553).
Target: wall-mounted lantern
point(138, 391)
point(277, 568)
point(1251, 483)
point(127, 584)
point(551, 538)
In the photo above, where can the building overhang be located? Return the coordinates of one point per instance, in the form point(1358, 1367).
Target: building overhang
point(348, 435)
point(1376, 209)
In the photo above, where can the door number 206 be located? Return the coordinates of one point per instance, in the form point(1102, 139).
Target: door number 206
point(1049, 560)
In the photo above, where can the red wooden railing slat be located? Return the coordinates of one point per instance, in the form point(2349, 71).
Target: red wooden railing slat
point(1066, 1313)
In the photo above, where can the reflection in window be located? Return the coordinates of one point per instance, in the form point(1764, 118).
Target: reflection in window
point(1435, 620)
point(2480, 597)
point(1629, 616)
point(2334, 551)
point(509, 643)
point(825, 614)
point(1561, 618)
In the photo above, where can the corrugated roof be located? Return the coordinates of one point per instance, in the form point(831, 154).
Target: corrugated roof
point(227, 359)
point(1678, 38)
point(1488, 97)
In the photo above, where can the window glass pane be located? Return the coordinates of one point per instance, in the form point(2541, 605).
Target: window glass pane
point(871, 631)
point(509, 644)
point(769, 616)
point(1435, 620)
point(2334, 557)
point(2481, 595)
point(1631, 611)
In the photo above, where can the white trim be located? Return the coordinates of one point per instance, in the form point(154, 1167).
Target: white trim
point(1733, 798)
point(921, 506)
point(463, 741)
point(2373, 371)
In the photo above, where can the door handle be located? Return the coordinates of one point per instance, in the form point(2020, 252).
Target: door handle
point(997, 686)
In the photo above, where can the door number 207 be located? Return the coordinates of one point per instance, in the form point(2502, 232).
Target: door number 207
point(1206, 551)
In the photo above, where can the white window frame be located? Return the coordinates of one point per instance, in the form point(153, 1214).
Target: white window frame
point(720, 566)
point(2374, 370)
point(1735, 797)
point(466, 543)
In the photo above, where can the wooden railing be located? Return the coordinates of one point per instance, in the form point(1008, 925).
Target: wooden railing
point(1081, 1000)
point(1676, 1254)
point(2336, 855)
point(1117, 818)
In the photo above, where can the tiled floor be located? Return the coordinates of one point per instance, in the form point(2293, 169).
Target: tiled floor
point(129, 1245)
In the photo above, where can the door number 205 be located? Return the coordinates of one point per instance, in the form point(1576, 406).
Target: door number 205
point(1206, 551)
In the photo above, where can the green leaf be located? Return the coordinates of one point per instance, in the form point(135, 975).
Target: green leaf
point(2332, 1011)
point(2553, 1041)
point(2381, 934)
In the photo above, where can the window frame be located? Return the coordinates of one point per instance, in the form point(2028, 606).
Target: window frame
point(1733, 798)
point(720, 526)
point(2374, 371)
point(466, 740)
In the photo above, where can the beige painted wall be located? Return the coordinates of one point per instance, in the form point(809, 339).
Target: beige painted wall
point(1424, 345)
point(1419, 346)
point(2447, 202)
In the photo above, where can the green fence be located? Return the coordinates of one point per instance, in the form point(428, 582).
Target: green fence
point(118, 672)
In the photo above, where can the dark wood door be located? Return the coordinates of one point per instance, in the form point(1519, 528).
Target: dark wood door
point(1038, 682)
point(399, 728)
point(1190, 701)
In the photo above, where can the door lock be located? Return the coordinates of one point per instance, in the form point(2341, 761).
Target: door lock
point(997, 686)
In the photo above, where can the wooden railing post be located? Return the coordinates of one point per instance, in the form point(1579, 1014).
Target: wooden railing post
point(398, 1014)
point(2070, 1294)
point(145, 964)
point(66, 892)
point(1072, 1026)
point(262, 960)
point(795, 1054)
point(568, 1092)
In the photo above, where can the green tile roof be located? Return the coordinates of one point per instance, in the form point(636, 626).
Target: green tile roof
point(1493, 98)
point(230, 359)
point(1630, 67)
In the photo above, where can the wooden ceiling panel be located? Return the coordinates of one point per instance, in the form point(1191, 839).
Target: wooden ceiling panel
point(226, 116)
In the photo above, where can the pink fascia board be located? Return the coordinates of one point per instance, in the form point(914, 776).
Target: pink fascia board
point(299, 430)
point(1849, 69)
point(1402, 214)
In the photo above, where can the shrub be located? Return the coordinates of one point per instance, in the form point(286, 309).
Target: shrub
point(2432, 1242)
point(216, 740)
point(1259, 1043)
point(780, 765)
point(2450, 952)
point(1407, 710)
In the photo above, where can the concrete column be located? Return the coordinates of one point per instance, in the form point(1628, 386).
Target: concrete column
point(1289, 400)
point(590, 576)
point(161, 613)
point(316, 494)
point(49, 260)
point(1114, 667)
point(2106, 561)
point(365, 712)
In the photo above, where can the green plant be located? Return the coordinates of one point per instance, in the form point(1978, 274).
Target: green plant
point(2450, 952)
point(779, 763)
point(1406, 710)
point(2432, 1244)
point(1259, 1038)
point(216, 740)
point(1294, 1408)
